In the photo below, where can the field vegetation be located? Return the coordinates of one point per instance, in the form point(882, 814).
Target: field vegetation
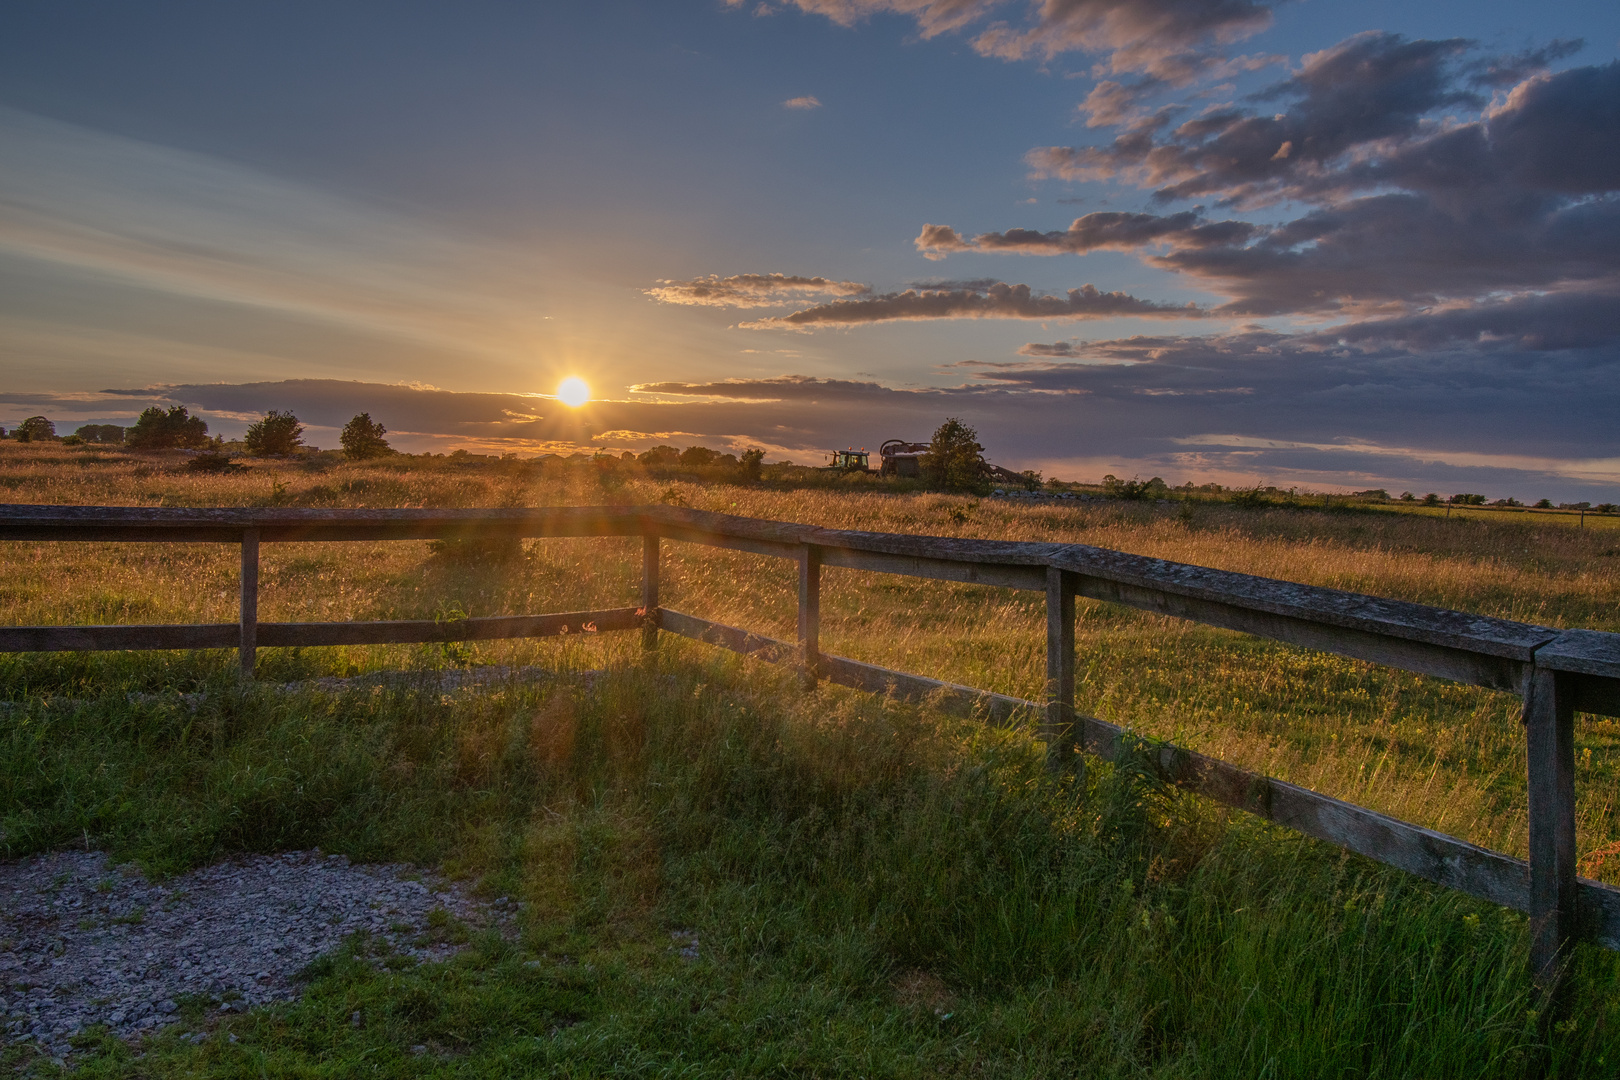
point(876, 889)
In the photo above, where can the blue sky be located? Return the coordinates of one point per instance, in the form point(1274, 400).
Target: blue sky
point(714, 212)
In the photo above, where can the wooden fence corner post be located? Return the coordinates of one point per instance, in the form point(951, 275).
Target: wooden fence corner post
point(1549, 720)
point(1058, 728)
point(247, 649)
point(810, 614)
point(649, 591)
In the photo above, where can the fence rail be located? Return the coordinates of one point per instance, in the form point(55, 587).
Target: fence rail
point(1555, 672)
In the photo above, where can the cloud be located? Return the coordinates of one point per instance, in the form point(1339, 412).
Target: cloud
point(808, 101)
point(1403, 210)
point(998, 301)
point(1106, 230)
point(1173, 40)
point(751, 290)
point(781, 388)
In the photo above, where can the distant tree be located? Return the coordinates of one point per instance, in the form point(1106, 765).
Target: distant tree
point(363, 438)
point(34, 429)
point(1606, 508)
point(1467, 500)
point(659, 456)
point(1543, 504)
point(277, 433)
point(1431, 499)
point(102, 434)
point(1032, 479)
point(695, 457)
point(954, 459)
point(1407, 496)
point(156, 429)
point(748, 466)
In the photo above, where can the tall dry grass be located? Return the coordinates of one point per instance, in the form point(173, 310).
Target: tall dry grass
point(1448, 757)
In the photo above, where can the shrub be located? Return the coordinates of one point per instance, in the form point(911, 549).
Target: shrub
point(156, 429)
point(1137, 488)
point(213, 462)
point(696, 457)
point(1431, 499)
point(362, 438)
point(277, 433)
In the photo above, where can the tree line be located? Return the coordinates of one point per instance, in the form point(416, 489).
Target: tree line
point(275, 434)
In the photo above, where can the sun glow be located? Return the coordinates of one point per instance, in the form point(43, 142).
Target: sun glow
point(573, 391)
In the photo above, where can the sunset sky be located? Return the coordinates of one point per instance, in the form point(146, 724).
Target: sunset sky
point(1332, 245)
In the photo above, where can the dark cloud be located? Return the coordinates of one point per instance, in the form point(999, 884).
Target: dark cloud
point(1506, 69)
point(1374, 86)
point(999, 301)
point(1105, 230)
point(751, 290)
point(1406, 210)
point(1055, 349)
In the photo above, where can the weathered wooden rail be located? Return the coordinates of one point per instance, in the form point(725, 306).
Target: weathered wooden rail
point(1555, 672)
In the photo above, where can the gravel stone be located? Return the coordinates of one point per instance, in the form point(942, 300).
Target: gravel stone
point(83, 942)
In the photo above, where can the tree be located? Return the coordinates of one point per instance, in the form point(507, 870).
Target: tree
point(159, 430)
point(363, 438)
point(277, 433)
point(696, 457)
point(954, 459)
point(748, 466)
point(34, 429)
point(104, 434)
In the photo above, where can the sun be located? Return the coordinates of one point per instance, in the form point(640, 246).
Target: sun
point(573, 391)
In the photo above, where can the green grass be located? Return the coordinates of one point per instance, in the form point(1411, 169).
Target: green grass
point(876, 889)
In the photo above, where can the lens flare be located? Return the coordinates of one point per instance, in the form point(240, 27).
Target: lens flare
point(573, 391)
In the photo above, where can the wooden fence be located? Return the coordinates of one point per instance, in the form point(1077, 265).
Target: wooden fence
point(1555, 672)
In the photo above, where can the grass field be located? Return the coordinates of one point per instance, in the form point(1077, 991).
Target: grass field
point(879, 890)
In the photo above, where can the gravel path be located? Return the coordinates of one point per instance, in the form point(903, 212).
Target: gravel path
point(83, 942)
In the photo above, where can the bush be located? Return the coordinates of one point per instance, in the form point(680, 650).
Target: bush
point(362, 438)
point(213, 462)
point(696, 457)
point(1543, 504)
point(156, 429)
point(277, 433)
point(1467, 500)
point(1154, 488)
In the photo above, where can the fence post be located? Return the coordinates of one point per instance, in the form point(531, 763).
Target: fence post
point(1058, 730)
point(1549, 720)
point(649, 591)
point(249, 644)
point(810, 613)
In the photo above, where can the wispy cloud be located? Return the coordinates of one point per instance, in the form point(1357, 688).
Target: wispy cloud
point(993, 301)
point(751, 290)
point(808, 101)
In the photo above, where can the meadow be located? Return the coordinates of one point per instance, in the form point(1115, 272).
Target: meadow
point(878, 889)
